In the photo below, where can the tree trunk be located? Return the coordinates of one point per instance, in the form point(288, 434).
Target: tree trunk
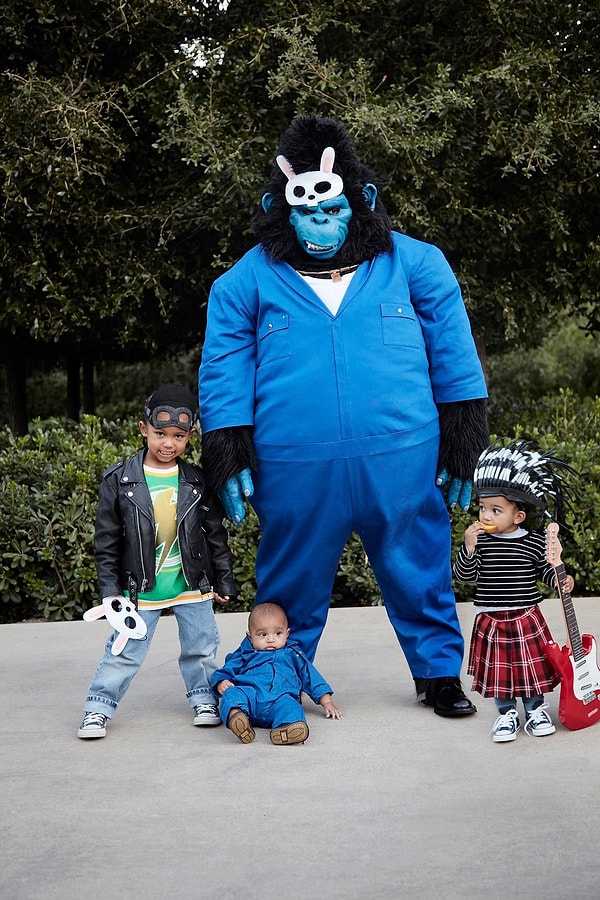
point(16, 369)
point(73, 384)
point(87, 384)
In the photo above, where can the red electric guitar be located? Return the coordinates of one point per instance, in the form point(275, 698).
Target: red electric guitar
point(576, 663)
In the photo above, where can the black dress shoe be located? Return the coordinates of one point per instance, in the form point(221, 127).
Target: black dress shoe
point(445, 695)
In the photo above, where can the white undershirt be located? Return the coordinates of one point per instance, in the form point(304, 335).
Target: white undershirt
point(330, 292)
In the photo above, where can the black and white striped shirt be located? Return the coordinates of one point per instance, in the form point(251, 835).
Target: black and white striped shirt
point(506, 569)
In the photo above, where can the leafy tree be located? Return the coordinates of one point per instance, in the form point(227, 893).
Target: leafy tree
point(482, 116)
point(137, 136)
point(90, 257)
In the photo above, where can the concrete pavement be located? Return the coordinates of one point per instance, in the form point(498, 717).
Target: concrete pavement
point(391, 801)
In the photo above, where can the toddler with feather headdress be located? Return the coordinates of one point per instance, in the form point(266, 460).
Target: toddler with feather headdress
point(505, 557)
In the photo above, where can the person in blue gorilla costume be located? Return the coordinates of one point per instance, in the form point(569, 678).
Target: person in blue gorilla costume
point(340, 392)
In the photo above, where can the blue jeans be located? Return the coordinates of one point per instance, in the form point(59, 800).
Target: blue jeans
point(529, 704)
point(198, 639)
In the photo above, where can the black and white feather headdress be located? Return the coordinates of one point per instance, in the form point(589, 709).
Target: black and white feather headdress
point(520, 471)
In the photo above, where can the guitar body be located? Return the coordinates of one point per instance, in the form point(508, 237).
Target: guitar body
point(576, 663)
point(579, 703)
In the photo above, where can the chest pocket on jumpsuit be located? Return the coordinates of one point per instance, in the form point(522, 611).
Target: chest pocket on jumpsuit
point(273, 339)
point(399, 325)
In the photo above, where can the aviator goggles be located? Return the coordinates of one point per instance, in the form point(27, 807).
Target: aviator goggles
point(165, 416)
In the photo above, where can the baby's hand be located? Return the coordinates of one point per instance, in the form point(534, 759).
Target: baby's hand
point(221, 686)
point(331, 711)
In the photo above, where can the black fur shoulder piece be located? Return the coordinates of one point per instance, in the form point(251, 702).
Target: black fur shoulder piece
point(302, 144)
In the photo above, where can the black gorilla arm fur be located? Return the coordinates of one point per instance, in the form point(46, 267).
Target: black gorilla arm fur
point(225, 452)
point(463, 436)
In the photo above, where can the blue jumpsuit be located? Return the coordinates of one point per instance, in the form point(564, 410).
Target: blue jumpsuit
point(346, 432)
point(268, 683)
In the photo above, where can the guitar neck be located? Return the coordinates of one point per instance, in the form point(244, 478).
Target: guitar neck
point(569, 611)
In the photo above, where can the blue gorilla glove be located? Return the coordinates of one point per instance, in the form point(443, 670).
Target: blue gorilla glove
point(234, 492)
point(459, 491)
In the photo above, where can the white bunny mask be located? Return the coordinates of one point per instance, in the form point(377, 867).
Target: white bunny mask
point(310, 188)
point(124, 618)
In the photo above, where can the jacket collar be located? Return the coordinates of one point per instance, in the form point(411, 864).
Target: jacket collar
point(133, 470)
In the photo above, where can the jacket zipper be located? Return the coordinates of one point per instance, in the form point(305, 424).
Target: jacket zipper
point(144, 583)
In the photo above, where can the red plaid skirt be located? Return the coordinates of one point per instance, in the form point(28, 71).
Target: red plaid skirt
point(506, 657)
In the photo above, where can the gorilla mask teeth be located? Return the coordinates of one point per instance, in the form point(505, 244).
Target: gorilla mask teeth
point(316, 249)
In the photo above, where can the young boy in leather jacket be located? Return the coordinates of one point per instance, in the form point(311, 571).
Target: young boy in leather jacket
point(160, 544)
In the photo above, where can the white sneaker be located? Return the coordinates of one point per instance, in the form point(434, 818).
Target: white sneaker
point(207, 714)
point(506, 727)
point(93, 726)
point(539, 722)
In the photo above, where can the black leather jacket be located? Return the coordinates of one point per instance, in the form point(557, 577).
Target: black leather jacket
point(125, 535)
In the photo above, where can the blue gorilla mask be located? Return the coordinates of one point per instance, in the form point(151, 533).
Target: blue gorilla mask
point(322, 229)
point(320, 211)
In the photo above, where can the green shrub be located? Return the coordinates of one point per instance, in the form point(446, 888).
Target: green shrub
point(48, 492)
point(243, 540)
point(569, 358)
point(569, 426)
point(49, 484)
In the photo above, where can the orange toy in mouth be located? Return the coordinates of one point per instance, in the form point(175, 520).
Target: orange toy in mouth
point(490, 528)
